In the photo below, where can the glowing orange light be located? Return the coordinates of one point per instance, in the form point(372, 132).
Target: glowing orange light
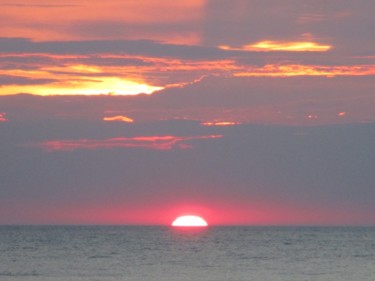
point(214, 123)
point(118, 118)
point(189, 221)
point(342, 114)
point(300, 46)
point(291, 46)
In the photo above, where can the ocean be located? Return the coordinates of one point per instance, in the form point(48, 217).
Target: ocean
point(134, 253)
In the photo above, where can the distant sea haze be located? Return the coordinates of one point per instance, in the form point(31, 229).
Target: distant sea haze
point(131, 253)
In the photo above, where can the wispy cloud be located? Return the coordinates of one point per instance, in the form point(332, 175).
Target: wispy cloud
point(21, 80)
point(146, 142)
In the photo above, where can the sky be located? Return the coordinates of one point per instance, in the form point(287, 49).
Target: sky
point(244, 112)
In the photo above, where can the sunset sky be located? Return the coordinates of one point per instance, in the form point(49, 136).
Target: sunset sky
point(250, 112)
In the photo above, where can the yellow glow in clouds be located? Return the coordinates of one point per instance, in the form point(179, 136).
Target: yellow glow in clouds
point(281, 46)
point(101, 86)
point(118, 118)
point(291, 46)
point(107, 85)
point(219, 123)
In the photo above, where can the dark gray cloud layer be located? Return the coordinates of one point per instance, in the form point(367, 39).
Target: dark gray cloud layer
point(156, 49)
point(328, 168)
point(131, 47)
point(19, 80)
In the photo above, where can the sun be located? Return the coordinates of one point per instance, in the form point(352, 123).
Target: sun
point(189, 221)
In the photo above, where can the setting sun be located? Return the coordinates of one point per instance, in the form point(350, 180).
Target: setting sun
point(189, 221)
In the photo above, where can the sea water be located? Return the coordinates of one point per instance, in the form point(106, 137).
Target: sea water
point(101, 253)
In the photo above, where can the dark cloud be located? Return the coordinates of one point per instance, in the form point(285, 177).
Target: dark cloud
point(27, 62)
point(111, 61)
point(135, 47)
point(329, 168)
point(93, 49)
point(271, 100)
point(19, 80)
point(46, 60)
point(241, 22)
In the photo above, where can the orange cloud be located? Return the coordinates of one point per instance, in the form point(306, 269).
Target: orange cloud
point(268, 45)
point(147, 142)
point(276, 70)
point(119, 74)
point(102, 73)
point(220, 123)
point(76, 79)
point(118, 118)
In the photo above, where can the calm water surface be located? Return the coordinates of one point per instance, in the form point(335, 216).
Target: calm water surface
point(89, 253)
